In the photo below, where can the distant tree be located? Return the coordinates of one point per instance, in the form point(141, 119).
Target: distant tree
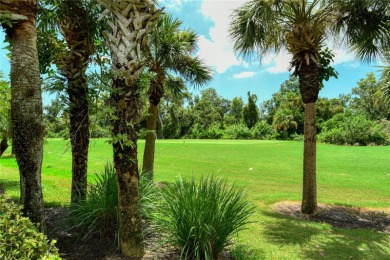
point(170, 49)
point(364, 99)
point(235, 114)
point(250, 111)
point(18, 18)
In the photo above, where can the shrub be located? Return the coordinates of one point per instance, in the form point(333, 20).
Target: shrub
point(262, 130)
point(352, 128)
point(239, 131)
point(200, 219)
point(20, 238)
point(99, 212)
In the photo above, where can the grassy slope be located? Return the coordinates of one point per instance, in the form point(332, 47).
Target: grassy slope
point(353, 176)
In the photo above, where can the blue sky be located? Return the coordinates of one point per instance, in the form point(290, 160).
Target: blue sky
point(232, 75)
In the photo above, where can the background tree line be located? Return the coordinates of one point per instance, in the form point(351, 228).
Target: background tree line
point(357, 118)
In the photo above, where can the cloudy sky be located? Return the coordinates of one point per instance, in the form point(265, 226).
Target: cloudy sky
point(232, 75)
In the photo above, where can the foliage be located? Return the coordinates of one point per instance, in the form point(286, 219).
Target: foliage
point(19, 238)
point(98, 214)
point(5, 106)
point(251, 112)
point(201, 218)
point(352, 128)
point(239, 131)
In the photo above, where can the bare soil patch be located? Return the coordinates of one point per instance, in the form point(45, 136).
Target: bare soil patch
point(340, 216)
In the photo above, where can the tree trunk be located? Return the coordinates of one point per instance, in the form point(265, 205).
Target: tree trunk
point(75, 28)
point(309, 196)
point(148, 161)
point(3, 145)
point(79, 138)
point(26, 107)
point(309, 85)
point(126, 114)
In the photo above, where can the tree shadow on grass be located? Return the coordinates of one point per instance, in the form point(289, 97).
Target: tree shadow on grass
point(322, 241)
point(8, 185)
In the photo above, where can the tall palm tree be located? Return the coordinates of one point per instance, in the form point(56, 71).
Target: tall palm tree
point(301, 27)
point(170, 49)
point(130, 21)
point(75, 26)
point(26, 103)
point(77, 23)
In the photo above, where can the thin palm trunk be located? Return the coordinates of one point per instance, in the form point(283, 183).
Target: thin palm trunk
point(309, 195)
point(150, 142)
point(309, 85)
point(26, 107)
point(79, 138)
point(74, 26)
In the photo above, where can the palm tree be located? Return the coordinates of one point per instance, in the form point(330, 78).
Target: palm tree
point(77, 22)
point(74, 21)
point(301, 27)
point(130, 21)
point(170, 49)
point(26, 103)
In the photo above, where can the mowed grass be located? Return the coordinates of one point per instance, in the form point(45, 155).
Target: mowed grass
point(270, 171)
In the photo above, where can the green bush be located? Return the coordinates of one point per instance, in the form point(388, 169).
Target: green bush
point(20, 238)
point(98, 214)
point(201, 219)
point(239, 131)
point(262, 130)
point(352, 128)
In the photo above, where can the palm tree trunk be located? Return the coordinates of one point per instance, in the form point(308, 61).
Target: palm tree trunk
point(26, 106)
point(309, 196)
point(127, 109)
point(75, 26)
point(79, 138)
point(309, 86)
point(151, 123)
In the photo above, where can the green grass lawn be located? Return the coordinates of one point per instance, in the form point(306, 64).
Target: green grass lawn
point(270, 171)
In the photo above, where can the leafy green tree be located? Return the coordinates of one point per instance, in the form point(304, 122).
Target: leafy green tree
point(130, 21)
point(364, 99)
point(170, 49)
point(26, 103)
point(235, 114)
point(300, 26)
point(250, 111)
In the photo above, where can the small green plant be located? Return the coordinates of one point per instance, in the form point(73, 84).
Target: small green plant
point(20, 238)
point(201, 218)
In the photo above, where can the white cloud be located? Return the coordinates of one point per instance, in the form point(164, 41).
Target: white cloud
point(172, 4)
point(218, 51)
point(280, 62)
point(245, 74)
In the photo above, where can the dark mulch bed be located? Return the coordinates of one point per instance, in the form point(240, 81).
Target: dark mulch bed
point(339, 216)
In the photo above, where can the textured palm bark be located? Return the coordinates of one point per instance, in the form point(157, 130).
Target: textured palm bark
point(309, 195)
point(309, 85)
point(74, 26)
point(150, 142)
point(79, 138)
point(26, 107)
point(126, 114)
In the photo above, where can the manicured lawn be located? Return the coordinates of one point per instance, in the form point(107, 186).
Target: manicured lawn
point(271, 171)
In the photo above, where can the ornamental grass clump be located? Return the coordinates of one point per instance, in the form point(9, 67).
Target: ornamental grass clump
point(201, 218)
point(98, 214)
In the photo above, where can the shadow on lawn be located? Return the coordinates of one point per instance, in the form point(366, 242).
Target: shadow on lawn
point(322, 241)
